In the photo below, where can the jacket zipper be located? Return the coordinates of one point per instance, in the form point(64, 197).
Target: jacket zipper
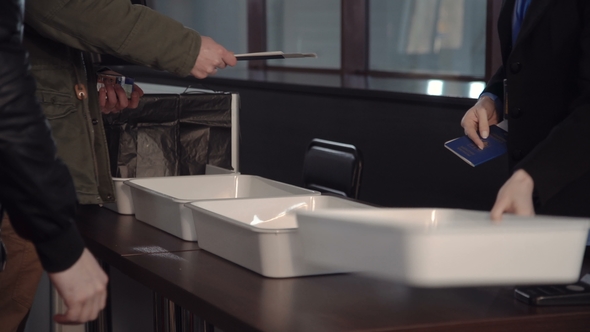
point(82, 95)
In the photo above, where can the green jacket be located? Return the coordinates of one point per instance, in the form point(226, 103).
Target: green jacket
point(57, 32)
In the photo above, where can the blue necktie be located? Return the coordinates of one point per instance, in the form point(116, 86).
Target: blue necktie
point(520, 8)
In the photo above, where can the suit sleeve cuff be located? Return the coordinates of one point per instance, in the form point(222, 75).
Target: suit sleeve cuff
point(497, 101)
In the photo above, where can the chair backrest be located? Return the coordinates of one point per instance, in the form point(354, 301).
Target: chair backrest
point(332, 167)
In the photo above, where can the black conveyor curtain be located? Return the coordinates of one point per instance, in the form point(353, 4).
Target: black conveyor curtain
point(170, 134)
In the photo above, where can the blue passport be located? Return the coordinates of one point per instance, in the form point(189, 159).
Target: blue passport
point(494, 146)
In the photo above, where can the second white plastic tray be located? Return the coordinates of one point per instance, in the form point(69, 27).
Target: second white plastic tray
point(261, 234)
point(160, 201)
point(124, 203)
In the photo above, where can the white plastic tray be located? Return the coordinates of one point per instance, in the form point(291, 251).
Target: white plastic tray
point(160, 201)
point(261, 234)
point(124, 203)
point(444, 247)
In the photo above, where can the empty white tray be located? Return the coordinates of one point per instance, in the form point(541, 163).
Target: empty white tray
point(261, 234)
point(124, 202)
point(444, 247)
point(160, 201)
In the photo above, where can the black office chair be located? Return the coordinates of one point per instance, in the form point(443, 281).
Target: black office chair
point(332, 167)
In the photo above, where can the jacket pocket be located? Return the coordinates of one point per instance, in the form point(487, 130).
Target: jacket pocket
point(72, 136)
point(57, 105)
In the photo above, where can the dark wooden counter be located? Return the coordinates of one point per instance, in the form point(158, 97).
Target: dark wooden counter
point(111, 236)
point(236, 299)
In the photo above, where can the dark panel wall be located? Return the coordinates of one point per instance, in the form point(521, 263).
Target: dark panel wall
point(405, 163)
point(400, 136)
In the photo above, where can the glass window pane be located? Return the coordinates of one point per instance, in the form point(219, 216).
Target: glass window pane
point(306, 26)
point(226, 21)
point(428, 36)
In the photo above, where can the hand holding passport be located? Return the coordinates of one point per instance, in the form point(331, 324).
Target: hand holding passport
point(494, 146)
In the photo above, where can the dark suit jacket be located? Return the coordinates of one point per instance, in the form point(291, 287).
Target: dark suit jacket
point(548, 93)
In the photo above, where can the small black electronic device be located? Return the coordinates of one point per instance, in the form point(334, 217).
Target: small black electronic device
point(2, 256)
point(2, 247)
point(554, 295)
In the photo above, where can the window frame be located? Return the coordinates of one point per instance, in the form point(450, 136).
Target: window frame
point(355, 47)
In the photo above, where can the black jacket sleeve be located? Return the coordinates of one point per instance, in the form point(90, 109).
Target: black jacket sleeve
point(36, 188)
